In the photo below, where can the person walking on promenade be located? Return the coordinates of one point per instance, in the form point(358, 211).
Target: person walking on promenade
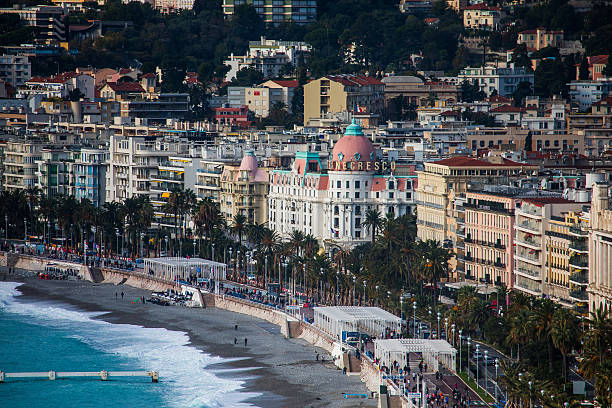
point(116, 294)
point(245, 342)
point(235, 340)
point(236, 326)
point(121, 294)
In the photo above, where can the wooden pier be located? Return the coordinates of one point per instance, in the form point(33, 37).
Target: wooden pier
point(103, 375)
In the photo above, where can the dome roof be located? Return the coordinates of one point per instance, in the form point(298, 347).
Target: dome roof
point(353, 146)
point(249, 161)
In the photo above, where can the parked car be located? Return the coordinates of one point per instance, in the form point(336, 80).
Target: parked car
point(478, 355)
point(489, 360)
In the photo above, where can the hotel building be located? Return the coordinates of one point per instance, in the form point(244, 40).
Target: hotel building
point(600, 249)
point(330, 200)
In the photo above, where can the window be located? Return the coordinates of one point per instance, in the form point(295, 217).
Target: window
point(357, 184)
point(358, 210)
point(338, 184)
point(357, 194)
point(347, 184)
point(357, 222)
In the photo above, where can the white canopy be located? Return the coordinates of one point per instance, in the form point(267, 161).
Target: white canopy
point(373, 320)
point(433, 351)
point(175, 268)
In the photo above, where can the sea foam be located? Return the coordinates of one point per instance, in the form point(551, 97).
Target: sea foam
point(182, 367)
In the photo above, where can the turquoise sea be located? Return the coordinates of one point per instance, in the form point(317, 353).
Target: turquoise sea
point(43, 336)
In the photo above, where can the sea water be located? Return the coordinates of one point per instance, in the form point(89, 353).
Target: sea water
point(43, 336)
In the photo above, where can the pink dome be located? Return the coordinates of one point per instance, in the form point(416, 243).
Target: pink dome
point(249, 161)
point(353, 147)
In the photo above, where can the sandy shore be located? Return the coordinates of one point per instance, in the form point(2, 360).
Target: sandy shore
point(286, 371)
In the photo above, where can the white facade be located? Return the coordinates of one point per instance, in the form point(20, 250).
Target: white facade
point(585, 93)
point(15, 69)
point(503, 80)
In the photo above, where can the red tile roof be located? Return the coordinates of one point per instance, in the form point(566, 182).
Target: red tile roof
point(149, 75)
point(598, 59)
point(498, 99)
point(56, 79)
point(126, 86)
point(287, 83)
point(449, 113)
point(482, 6)
point(507, 108)
point(606, 101)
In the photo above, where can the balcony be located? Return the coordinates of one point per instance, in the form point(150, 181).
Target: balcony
point(528, 257)
point(530, 211)
point(528, 242)
point(529, 272)
point(529, 226)
point(579, 246)
point(578, 232)
point(579, 278)
point(579, 295)
point(579, 261)
point(210, 171)
point(535, 291)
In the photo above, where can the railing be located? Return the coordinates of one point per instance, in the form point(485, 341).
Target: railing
point(535, 274)
point(579, 245)
point(579, 261)
point(579, 277)
point(578, 231)
point(531, 211)
point(429, 224)
point(530, 225)
point(210, 171)
point(579, 294)
point(526, 255)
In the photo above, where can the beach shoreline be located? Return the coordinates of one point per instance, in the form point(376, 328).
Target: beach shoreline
point(283, 372)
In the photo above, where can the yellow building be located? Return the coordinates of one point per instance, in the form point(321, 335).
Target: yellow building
point(342, 93)
point(244, 190)
point(540, 38)
point(481, 17)
point(600, 249)
point(440, 177)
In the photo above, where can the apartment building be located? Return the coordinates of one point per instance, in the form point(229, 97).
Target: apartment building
point(15, 69)
point(481, 17)
point(278, 11)
point(419, 92)
point(542, 243)
point(133, 161)
point(415, 7)
point(596, 65)
point(490, 78)
point(584, 93)
point(270, 57)
point(334, 94)
point(489, 235)
point(53, 171)
point(88, 174)
point(455, 174)
point(208, 182)
point(58, 86)
point(244, 190)
point(600, 249)
point(51, 22)
point(155, 107)
point(173, 6)
point(540, 38)
point(20, 157)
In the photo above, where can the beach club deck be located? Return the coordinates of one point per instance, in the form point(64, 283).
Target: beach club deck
point(175, 268)
point(372, 320)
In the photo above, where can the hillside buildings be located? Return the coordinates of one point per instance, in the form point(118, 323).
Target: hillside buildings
point(491, 78)
point(51, 22)
point(276, 12)
point(481, 17)
point(600, 249)
point(540, 38)
point(15, 69)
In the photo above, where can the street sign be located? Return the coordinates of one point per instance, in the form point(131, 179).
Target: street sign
point(393, 377)
point(413, 395)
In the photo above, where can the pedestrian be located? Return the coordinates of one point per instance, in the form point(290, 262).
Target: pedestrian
point(235, 340)
point(344, 370)
point(116, 294)
point(245, 342)
point(122, 295)
point(236, 326)
point(317, 356)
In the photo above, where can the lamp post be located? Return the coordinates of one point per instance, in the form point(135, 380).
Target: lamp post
point(460, 338)
point(354, 287)
point(446, 328)
point(94, 240)
point(194, 247)
point(364, 293)
point(496, 367)
point(285, 264)
point(6, 228)
point(469, 341)
point(166, 238)
point(213, 251)
point(439, 334)
point(304, 278)
point(230, 259)
point(337, 280)
point(320, 284)
point(142, 236)
point(414, 305)
point(529, 393)
point(25, 230)
point(117, 240)
point(265, 271)
point(377, 295)
point(477, 355)
point(486, 355)
point(453, 331)
point(402, 308)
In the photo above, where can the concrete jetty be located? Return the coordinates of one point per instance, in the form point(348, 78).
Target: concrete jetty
point(103, 375)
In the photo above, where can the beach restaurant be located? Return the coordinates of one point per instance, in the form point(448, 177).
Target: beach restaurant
point(433, 352)
point(372, 320)
point(185, 269)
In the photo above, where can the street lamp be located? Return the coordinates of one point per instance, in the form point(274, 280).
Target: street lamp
point(265, 269)
point(414, 305)
point(213, 251)
point(529, 393)
point(496, 367)
point(166, 238)
point(377, 295)
point(230, 259)
point(477, 355)
point(460, 337)
point(117, 241)
point(285, 265)
point(446, 328)
point(453, 331)
point(142, 235)
point(486, 356)
point(402, 308)
point(320, 284)
point(6, 228)
point(25, 230)
point(194, 247)
point(469, 341)
point(439, 334)
point(364, 293)
point(337, 280)
point(354, 287)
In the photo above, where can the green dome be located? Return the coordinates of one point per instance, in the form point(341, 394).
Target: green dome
point(353, 129)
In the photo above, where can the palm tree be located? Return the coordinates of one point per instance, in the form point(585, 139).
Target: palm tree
point(296, 240)
point(519, 330)
point(239, 225)
point(563, 334)
point(541, 320)
point(434, 264)
point(596, 361)
point(373, 222)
